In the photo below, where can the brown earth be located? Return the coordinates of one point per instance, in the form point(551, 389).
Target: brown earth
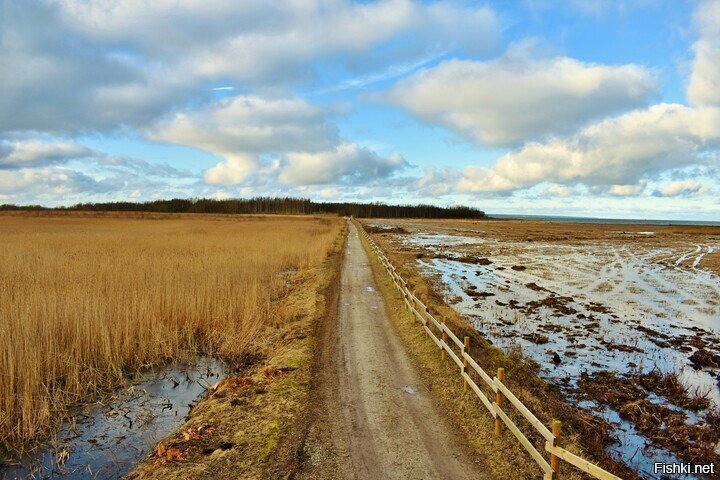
point(373, 415)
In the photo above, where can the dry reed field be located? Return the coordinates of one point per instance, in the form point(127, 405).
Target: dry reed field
point(85, 300)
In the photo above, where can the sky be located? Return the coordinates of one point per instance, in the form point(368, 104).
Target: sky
point(583, 108)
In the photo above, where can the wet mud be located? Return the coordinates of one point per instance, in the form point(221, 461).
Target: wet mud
point(628, 329)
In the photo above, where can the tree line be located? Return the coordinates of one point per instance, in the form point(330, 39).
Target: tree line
point(270, 205)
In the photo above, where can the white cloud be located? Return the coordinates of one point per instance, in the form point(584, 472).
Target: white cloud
point(53, 172)
point(60, 82)
point(626, 190)
point(304, 147)
point(263, 41)
point(516, 98)
point(55, 181)
point(611, 154)
point(235, 169)
point(34, 153)
point(243, 127)
point(85, 65)
point(560, 191)
point(347, 163)
point(220, 195)
point(250, 124)
point(704, 87)
point(437, 181)
point(681, 188)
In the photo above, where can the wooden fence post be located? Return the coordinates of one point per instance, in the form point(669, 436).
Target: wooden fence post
point(554, 459)
point(499, 399)
point(444, 342)
point(427, 312)
point(466, 348)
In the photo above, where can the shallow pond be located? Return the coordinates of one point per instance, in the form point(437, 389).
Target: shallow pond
point(107, 439)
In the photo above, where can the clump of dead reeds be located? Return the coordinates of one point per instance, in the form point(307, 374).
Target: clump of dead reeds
point(660, 423)
point(668, 385)
point(84, 301)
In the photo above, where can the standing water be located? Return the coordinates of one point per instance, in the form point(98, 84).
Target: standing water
point(106, 440)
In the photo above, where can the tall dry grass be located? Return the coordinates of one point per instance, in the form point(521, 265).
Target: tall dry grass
point(85, 300)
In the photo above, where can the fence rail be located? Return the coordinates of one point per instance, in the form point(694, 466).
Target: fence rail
point(465, 362)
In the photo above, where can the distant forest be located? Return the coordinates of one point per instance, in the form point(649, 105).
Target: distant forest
point(270, 205)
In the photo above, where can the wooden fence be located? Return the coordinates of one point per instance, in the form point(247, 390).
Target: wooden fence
point(444, 339)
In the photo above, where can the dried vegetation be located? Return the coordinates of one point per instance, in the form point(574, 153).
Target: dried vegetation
point(87, 300)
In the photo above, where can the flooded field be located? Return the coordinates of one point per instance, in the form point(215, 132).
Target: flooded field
point(106, 439)
point(626, 321)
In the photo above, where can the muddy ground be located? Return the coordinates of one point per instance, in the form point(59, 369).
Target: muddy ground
point(600, 308)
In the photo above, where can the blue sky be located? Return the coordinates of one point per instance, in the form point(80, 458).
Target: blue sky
point(600, 108)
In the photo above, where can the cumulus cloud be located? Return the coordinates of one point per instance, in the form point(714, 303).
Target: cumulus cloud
point(85, 65)
point(250, 124)
point(63, 172)
point(560, 191)
point(57, 82)
point(263, 41)
point(65, 185)
point(615, 154)
point(55, 181)
point(18, 154)
point(241, 128)
point(681, 188)
point(303, 146)
point(624, 190)
point(704, 86)
point(346, 163)
point(437, 181)
point(515, 98)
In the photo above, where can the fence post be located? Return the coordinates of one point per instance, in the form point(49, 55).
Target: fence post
point(427, 312)
point(466, 348)
point(499, 399)
point(554, 459)
point(444, 342)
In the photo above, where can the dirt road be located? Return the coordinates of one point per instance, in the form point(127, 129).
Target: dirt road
point(373, 418)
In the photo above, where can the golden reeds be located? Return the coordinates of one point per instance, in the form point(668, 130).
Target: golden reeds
point(85, 300)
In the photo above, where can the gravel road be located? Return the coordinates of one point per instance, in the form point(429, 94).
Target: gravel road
point(373, 417)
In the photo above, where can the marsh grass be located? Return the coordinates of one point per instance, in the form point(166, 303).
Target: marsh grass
point(86, 300)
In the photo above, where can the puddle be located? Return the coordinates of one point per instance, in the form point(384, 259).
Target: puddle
point(437, 240)
point(599, 307)
point(107, 440)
